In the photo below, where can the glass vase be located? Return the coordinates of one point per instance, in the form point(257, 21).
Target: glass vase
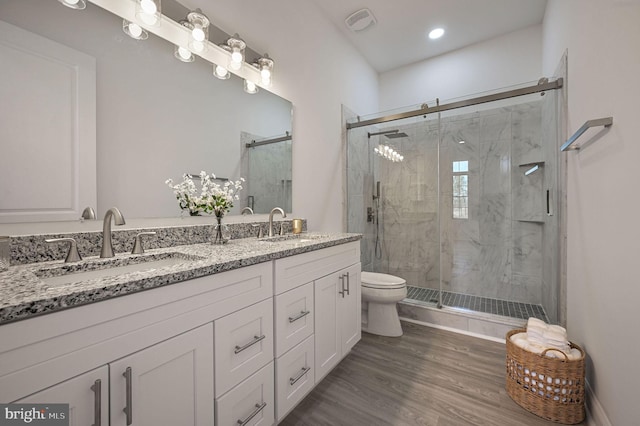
point(221, 232)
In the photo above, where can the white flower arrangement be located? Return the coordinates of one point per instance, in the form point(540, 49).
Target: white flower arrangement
point(210, 198)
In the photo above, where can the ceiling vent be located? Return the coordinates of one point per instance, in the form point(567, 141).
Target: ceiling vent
point(360, 20)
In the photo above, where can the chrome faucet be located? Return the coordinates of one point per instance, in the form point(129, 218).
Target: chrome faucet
point(107, 245)
point(247, 210)
point(279, 210)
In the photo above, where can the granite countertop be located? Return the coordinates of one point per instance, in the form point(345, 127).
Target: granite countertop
point(25, 293)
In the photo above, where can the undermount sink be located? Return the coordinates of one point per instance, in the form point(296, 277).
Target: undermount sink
point(299, 238)
point(70, 273)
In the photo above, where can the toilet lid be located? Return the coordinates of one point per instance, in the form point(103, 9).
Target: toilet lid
point(382, 281)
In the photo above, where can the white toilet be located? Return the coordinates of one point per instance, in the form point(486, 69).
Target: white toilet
point(380, 293)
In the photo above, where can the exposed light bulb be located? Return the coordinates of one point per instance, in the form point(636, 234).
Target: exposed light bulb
point(236, 56)
point(198, 34)
point(198, 46)
point(74, 4)
point(221, 72)
point(148, 6)
point(184, 53)
point(148, 19)
point(251, 86)
point(135, 30)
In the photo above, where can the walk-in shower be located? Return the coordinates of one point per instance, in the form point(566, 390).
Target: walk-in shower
point(467, 217)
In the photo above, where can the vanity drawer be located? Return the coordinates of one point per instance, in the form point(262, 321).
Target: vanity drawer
point(293, 317)
point(243, 344)
point(294, 376)
point(251, 402)
point(293, 271)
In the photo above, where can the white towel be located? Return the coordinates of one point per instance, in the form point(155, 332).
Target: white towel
point(535, 322)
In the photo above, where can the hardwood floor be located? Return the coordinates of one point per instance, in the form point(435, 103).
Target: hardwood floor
point(426, 377)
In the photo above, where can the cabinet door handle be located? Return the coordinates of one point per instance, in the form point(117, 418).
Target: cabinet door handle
point(302, 314)
point(259, 407)
point(97, 402)
point(128, 409)
point(255, 340)
point(341, 292)
point(293, 380)
point(348, 284)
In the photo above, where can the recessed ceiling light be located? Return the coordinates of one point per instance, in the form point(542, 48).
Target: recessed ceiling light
point(436, 33)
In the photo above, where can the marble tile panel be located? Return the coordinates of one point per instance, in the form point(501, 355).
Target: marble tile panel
point(432, 316)
point(495, 125)
point(494, 218)
point(522, 288)
point(526, 134)
point(489, 328)
point(527, 249)
point(529, 197)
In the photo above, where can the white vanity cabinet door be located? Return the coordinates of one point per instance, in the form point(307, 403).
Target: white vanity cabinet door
point(170, 383)
point(249, 403)
point(87, 396)
point(338, 317)
point(327, 332)
point(293, 317)
point(243, 344)
point(350, 308)
point(295, 373)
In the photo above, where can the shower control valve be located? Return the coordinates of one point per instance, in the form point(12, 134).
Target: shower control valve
point(370, 214)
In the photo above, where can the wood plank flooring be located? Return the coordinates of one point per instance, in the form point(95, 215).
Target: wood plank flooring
point(426, 377)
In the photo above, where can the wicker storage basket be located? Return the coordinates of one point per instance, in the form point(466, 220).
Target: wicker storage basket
point(552, 388)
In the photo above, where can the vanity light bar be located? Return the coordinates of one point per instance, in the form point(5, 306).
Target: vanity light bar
point(177, 34)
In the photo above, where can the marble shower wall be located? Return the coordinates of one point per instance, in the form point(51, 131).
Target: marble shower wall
point(497, 251)
point(267, 170)
point(359, 193)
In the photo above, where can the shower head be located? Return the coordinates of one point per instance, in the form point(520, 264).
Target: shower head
point(397, 135)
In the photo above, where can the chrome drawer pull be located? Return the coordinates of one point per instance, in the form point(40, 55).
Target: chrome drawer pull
point(97, 402)
point(302, 314)
point(293, 380)
point(128, 409)
point(259, 407)
point(255, 340)
point(348, 284)
point(341, 292)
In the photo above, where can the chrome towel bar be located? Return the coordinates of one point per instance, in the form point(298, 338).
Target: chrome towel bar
point(606, 122)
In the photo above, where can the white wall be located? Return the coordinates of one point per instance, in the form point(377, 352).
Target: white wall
point(508, 60)
point(603, 288)
point(318, 70)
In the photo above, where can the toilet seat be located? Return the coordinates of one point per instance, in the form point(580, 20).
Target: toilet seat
point(382, 281)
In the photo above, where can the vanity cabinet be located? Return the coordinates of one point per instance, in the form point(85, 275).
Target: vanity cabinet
point(337, 298)
point(239, 347)
point(86, 394)
point(317, 314)
point(170, 383)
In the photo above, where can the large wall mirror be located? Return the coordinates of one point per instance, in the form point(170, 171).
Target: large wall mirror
point(155, 118)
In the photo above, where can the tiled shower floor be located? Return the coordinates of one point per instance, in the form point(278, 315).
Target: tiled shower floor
point(479, 304)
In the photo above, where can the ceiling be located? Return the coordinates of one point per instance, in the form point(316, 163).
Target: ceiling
point(400, 35)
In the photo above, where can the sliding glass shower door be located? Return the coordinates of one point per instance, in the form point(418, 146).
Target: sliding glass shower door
point(467, 218)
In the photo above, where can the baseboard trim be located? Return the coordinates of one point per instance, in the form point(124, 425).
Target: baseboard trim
point(596, 415)
point(455, 330)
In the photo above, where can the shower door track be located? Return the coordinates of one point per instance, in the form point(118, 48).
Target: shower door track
point(537, 88)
